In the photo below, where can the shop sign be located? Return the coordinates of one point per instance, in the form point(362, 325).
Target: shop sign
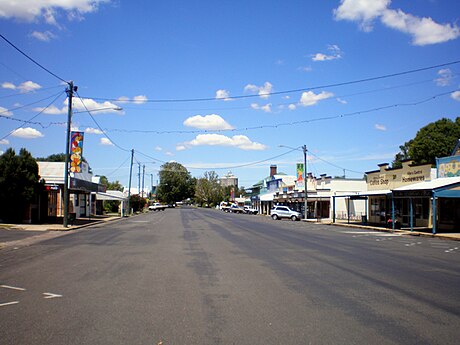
point(412, 193)
point(76, 151)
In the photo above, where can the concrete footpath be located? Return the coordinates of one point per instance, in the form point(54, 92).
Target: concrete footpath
point(21, 235)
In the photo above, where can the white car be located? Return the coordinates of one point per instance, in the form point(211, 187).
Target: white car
point(279, 212)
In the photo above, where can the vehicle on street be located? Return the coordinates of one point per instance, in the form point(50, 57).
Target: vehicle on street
point(236, 209)
point(250, 210)
point(157, 207)
point(279, 212)
point(224, 206)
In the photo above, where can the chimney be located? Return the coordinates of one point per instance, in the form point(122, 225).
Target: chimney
point(273, 170)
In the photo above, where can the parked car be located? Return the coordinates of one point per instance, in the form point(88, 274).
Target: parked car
point(157, 207)
point(250, 210)
point(236, 209)
point(279, 212)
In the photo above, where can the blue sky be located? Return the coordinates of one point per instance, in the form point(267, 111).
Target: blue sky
point(149, 56)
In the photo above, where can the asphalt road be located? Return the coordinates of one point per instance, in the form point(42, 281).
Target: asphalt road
point(200, 276)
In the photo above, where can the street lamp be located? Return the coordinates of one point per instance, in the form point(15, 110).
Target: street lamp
point(305, 152)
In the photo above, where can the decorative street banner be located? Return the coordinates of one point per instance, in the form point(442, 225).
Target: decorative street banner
point(299, 169)
point(76, 151)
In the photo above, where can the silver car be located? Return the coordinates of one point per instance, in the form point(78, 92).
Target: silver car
point(279, 212)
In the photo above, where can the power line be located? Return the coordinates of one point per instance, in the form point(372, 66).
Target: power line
point(283, 124)
point(386, 76)
point(31, 59)
point(29, 121)
point(29, 104)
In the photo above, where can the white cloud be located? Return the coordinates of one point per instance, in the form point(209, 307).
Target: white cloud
point(92, 105)
point(158, 148)
point(209, 122)
point(8, 85)
point(238, 141)
point(28, 86)
point(341, 101)
point(123, 99)
point(90, 130)
point(455, 95)
point(169, 153)
point(292, 106)
point(423, 30)
point(45, 36)
point(106, 142)
point(445, 77)
point(334, 53)
point(47, 10)
point(27, 133)
point(223, 95)
point(263, 91)
point(24, 87)
point(309, 98)
point(52, 110)
point(4, 142)
point(380, 127)
point(5, 112)
point(266, 108)
point(140, 99)
point(305, 69)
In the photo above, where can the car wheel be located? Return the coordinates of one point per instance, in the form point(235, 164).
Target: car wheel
point(293, 218)
point(275, 217)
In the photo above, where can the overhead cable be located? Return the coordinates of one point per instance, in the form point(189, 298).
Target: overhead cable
point(386, 76)
point(31, 59)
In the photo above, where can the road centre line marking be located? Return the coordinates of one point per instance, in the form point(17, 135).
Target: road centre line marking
point(8, 303)
point(51, 295)
point(12, 287)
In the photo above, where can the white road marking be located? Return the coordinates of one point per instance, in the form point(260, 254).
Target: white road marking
point(8, 303)
point(51, 295)
point(12, 287)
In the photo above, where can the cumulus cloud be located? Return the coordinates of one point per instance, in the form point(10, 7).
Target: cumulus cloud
point(158, 148)
point(91, 130)
point(380, 127)
point(423, 30)
point(455, 95)
point(266, 108)
point(241, 142)
point(223, 95)
point(27, 86)
point(334, 53)
point(445, 77)
point(106, 142)
point(45, 36)
point(208, 122)
point(80, 105)
point(292, 106)
point(47, 10)
point(8, 85)
point(5, 112)
point(140, 99)
point(263, 91)
point(309, 98)
point(4, 142)
point(27, 133)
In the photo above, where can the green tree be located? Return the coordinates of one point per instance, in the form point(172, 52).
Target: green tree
point(208, 190)
point(435, 140)
point(111, 205)
point(176, 183)
point(19, 184)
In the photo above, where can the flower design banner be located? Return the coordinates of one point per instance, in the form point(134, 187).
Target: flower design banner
point(76, 151)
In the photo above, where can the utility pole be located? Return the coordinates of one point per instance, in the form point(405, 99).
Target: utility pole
point(143, 178)
point(129, 185)
point(70, 90)
point(151, 184)
point(139, 181)
point(304, 148)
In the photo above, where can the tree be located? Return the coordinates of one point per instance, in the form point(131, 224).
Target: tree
point(208, 190)
point(435, 140)
point(19, 184)
point(137, 203)
point(176, 183)
point(111, 205)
